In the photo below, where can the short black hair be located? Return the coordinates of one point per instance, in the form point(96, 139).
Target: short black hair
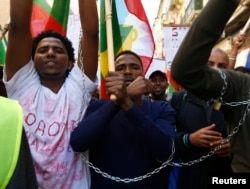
point(159, 73)
point(129, 52)
point(50, 33)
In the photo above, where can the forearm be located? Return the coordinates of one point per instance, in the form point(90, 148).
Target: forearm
point(237, 43)
point(90, 37)
point(19, 36)
point(89, 17)
point(20, 13)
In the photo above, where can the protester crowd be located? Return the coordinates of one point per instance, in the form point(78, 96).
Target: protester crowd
point(67, 137)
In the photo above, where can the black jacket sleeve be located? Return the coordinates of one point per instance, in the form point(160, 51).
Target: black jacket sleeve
point(189, 67)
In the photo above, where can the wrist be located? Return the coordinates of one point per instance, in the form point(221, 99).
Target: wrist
point(186, 140)
point(127, 104)
point(233, 58)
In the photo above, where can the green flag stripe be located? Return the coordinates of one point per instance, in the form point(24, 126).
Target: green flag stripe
point(103, 41)
point(43, 4)
point(59, 10)
point(62, 15)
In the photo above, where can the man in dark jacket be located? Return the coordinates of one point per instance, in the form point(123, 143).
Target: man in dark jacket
point(190, 70)
point(134, 135)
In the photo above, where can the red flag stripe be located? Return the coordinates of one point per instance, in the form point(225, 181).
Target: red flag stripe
point(42, 20)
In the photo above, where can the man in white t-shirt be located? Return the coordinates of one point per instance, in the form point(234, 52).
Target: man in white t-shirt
point(52, 90)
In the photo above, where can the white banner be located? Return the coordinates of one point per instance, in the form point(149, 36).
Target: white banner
point(173, 36)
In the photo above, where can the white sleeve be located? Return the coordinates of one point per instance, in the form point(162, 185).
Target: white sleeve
point(83, 80)
point(22, 81)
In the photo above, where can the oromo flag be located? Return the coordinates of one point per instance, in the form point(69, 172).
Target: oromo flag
point(3, 45)
point(131, 31)
point(46, 17)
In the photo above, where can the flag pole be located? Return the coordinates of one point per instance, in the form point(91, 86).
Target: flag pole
point(110, 46)
point(109, 33)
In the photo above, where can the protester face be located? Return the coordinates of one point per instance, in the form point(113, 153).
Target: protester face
point(129, 66)
point(218, 59)
point(160, 85)
point(51, 58)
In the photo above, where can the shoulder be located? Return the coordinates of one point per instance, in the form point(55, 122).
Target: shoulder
point(177, 94)
point(98, 102)
point(159, 106)
point(178, 97)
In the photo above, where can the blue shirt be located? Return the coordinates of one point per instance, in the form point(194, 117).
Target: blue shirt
point(127, 144)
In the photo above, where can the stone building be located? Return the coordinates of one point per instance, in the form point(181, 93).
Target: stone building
point(183, 12)
point(4, 11)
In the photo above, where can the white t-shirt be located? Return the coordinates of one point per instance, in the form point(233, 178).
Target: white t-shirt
point(49, 119)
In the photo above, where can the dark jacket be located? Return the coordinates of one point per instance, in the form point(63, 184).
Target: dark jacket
point(192, 114)
point(127, 144)
point(190, 70)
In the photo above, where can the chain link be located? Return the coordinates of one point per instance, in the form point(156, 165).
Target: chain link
point(181, 164)
point(80, 51)
point(230, 135)
point(80, 59)
point(224, 141)
point(129, 180)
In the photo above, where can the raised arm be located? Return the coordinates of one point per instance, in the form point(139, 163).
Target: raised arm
point(189, 66)
point(237, 43)
point(19, 36)
point(90, 39)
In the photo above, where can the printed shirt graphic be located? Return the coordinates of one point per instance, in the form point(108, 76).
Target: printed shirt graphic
point(131, 31)
point(49, 119)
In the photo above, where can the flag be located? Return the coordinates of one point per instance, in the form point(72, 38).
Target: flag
point(131, 31)
point(3, 45)
point(46, 16)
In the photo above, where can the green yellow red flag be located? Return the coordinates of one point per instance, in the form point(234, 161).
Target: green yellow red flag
point(131, 31)
point(47, 16)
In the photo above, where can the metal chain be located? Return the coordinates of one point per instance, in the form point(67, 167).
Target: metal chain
point(224, 87)
point(80, 59)
point(180, 164)
point(129, 180)
point(230, 135)
point(224, 141)
point(80, 51)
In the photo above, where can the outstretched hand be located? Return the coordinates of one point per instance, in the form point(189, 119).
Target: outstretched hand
point(205, 137)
